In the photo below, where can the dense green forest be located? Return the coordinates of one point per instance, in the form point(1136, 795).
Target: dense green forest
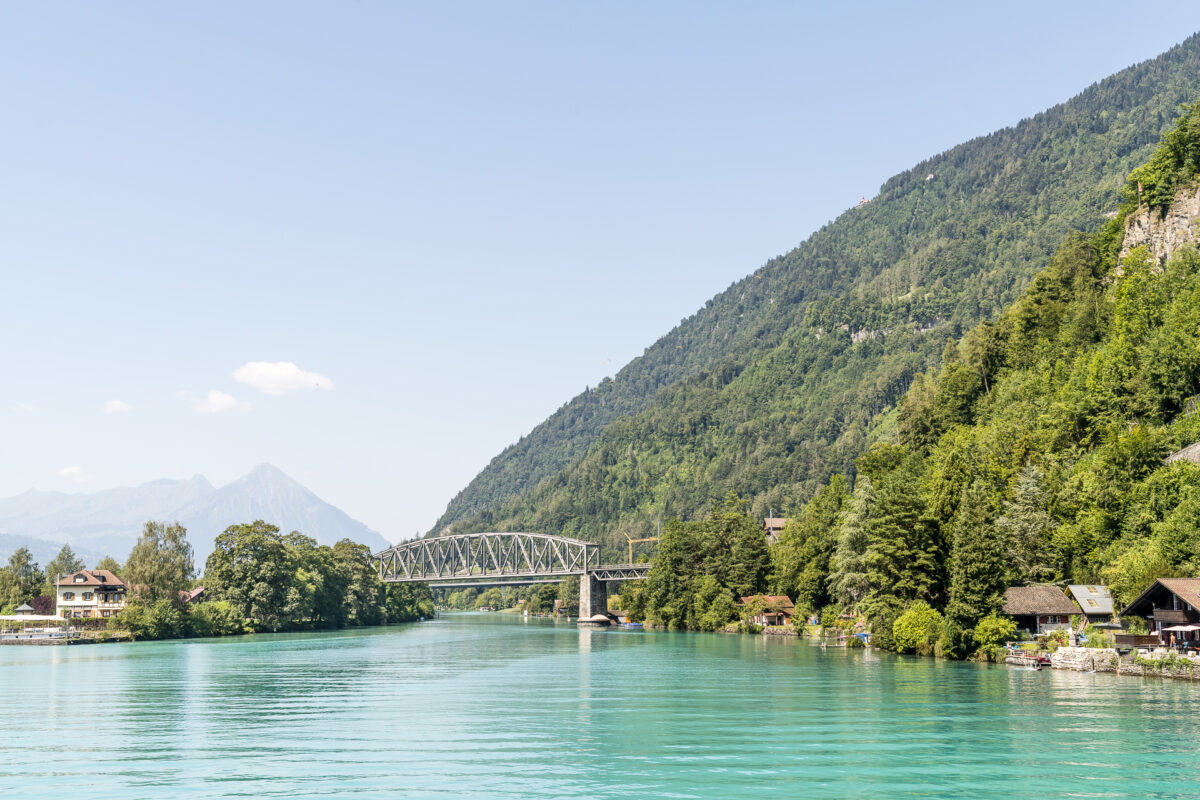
point(789, 375)
point(256, 579)
point(1036, 451)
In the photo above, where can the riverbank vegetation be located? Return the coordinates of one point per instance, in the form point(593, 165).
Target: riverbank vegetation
point(789, 375)
point(702, 568)
point(255, 580)
point(540, 598)
point(1036, 451)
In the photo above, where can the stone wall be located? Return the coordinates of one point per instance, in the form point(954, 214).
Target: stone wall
point(1085, 659)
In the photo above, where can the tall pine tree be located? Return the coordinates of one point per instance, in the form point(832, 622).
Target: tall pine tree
point(978, 566)
point(848, 573)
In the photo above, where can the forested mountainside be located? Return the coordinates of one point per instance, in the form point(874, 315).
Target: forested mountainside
point(1037, 451)
point(782, 379)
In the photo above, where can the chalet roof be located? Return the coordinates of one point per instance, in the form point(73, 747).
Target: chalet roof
point(1041, 598)
point(774, 523)
point(190, 596)
point(1186, 589)
point(91, 577)
point(1092, 598)
point(773, 602)
point(1189, 453)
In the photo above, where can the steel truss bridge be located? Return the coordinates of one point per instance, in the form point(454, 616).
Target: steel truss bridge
point(500, 559)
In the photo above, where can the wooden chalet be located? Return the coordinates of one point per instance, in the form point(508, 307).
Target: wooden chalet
point(1040, 608)
point(1190, 453)
point(1094, 600)
point(777, 609)
point(191, 596)
point(1169, 607)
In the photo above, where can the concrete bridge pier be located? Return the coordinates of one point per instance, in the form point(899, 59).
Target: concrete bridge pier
point(593, 596)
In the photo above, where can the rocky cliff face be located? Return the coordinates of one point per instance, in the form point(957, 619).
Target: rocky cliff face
point(1164, 233)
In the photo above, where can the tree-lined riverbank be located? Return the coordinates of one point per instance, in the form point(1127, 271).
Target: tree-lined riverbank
point(255, 580)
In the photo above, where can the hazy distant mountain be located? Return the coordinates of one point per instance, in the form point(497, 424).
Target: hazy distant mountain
point(268, 494)
point(108, 522)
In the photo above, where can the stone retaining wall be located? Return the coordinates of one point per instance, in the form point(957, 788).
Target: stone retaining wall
point(779, 630)
point(1086, 659)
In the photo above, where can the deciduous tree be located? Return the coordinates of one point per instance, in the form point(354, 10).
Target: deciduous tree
point(160, 565)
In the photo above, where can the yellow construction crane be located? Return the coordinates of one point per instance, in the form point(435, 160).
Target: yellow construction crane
point(632, 542)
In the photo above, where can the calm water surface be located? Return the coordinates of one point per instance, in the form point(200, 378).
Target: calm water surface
point(490, 706)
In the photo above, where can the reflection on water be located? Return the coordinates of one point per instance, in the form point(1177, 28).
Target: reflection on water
point(491, 706)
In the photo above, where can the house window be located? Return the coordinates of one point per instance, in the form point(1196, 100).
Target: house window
point(1053, 619)
point(68, 595)
point(87, 595)
point(80, 579)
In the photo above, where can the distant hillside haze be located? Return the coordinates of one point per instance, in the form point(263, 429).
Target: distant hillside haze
point(108, 522)
point(784, 378)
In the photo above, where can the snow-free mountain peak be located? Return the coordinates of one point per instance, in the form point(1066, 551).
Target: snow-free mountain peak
point(108, 522)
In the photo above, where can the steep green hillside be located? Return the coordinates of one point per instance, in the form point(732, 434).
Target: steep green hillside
point(1037, 451)
point(778, 382)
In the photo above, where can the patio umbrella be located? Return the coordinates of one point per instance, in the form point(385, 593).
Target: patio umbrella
point(1182, 628)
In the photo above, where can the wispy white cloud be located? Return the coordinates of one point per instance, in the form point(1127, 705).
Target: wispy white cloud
point(117, 407)
point(219, 403)
point(74, 474)
point(279, 377)
point(23, 407)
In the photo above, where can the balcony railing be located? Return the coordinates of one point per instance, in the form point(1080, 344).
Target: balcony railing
point(1168, 616)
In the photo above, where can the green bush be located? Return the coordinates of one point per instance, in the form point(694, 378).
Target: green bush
point(917, 629)
point(1171, 661)
point(217, 618)
point(1097, 638)
point(995, 653)
point(1054, 640)
point(162, 619)
point(994, 630)
point(955, 641)
point(881, 629)
point(829, 616)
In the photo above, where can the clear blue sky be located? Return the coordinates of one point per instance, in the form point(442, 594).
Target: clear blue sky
point(453, 216)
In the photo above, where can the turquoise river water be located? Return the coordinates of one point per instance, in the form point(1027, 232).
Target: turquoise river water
point(491, 706)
